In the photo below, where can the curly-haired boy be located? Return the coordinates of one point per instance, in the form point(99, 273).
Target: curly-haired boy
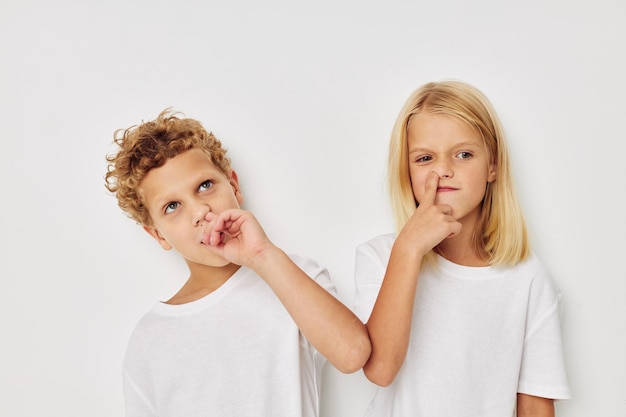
point(250, 330)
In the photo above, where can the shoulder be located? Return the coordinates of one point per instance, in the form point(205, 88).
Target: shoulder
point(147, 326)
point(314, 270)
point(535, 270)
point(143, 337)
point(305, 263)
point(379, 246)
point(543, 291)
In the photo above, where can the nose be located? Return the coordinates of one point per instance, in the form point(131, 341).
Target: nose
point(199, 212)
point(443, 169)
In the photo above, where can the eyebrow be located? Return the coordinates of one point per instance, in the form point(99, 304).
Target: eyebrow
point(158, 202)
point(457, 145)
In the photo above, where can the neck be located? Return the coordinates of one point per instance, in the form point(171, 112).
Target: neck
point(460, 248)
point(202, 281)
point(461, 253)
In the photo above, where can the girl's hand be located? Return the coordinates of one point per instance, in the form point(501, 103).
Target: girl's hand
point(237, 236)
point(430, 223)
point(389, 325)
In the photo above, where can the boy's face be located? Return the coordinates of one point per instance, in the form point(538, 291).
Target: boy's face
point(179, 194)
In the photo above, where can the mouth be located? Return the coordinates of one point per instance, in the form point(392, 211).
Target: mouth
point(446, 189)
point(221, 239)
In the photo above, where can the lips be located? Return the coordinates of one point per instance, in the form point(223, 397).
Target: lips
point(446, 189)
point(223, 238)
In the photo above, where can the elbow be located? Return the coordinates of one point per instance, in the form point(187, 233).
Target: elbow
point(380, 374)
point(356, 356)
point(381, 379)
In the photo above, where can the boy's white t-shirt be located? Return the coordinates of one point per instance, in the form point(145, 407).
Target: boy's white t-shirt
point(479, 336)
point(235, 352)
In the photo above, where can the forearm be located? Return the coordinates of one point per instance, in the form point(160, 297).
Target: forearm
point(328, 324)
point(531, 406)
point(389, 325)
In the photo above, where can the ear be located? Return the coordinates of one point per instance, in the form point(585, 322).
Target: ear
point(492, 173)
point(234, 182)
point(154, 232)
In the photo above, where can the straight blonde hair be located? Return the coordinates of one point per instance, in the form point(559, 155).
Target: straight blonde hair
point(500, 236)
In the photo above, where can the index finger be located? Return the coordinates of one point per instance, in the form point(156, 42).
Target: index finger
point(430, 189)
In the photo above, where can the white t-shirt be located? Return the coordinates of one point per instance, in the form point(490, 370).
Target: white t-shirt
point(479, 336)
point(235, 352)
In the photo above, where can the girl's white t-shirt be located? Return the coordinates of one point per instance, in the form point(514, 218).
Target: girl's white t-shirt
point(479, 336)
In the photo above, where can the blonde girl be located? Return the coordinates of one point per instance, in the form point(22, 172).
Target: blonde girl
point(462, 316)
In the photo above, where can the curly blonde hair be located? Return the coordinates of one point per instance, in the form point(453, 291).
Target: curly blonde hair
point(148, 146)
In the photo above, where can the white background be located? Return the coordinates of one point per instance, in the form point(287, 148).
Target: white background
point(304, 95)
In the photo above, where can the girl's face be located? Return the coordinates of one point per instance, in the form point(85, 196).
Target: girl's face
point(457, 154)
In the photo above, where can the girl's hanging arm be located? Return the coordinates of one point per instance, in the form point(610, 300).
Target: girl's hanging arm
point(531, 406)
point(389, 325)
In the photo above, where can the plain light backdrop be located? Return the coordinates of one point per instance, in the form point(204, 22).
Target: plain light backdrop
point(304, 95)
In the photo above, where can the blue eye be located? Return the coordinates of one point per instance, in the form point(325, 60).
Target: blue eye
point(205, 185)
point(171, 206)
point(464, 155)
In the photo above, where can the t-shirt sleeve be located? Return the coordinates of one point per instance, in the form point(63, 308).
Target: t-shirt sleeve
point(543, 370)
point(135, 403)
point(136, 378)
point(369, 270)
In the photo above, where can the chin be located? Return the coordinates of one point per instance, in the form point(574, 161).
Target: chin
point(218, 263)
point(213, 262)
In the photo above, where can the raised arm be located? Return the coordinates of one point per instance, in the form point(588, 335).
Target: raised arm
point(328, 324)
point(389, 325)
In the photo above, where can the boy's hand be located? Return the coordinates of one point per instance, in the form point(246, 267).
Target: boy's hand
point(430, 223)
point(236, 235)
point(331, 327)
